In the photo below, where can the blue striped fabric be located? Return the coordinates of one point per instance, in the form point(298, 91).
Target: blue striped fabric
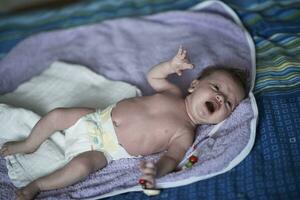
point(272, 170)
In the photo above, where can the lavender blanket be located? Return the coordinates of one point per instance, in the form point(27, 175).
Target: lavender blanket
point(125, 49)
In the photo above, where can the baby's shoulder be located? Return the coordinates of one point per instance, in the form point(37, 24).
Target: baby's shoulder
point(185, 134)
point(171, 94)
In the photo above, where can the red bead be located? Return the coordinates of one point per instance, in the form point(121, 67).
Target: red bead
point(193, 159)
point(142, 181)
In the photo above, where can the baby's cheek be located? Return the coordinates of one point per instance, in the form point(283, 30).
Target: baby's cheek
point(222, 115)
point(215, 120)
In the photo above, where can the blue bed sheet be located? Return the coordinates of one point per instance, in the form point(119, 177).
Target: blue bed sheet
point(272, 170)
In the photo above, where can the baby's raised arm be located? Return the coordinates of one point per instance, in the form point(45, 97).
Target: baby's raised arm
point(158, 74)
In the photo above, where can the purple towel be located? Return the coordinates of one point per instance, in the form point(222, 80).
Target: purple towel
point(125, 49)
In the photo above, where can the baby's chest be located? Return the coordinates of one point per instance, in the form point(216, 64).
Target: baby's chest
point(161, 124)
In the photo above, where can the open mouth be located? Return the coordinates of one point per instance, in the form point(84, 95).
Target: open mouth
point(210, 106)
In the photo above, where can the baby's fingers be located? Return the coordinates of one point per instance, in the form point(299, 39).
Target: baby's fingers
point(183, 67)
point(149, 171)
point(147, 181)
point(145, 164)
point(148, 168)
point(187, 66)
point(181, 54)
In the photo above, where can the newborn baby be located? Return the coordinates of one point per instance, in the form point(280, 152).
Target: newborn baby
point(138, 126)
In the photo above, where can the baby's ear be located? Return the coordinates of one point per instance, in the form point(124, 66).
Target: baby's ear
point(193, 86)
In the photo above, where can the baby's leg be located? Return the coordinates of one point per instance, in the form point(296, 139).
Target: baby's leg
point(77, 169)
point(56, 120)
point(14, 147)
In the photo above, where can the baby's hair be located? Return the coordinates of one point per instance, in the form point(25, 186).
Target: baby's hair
point(238, 75)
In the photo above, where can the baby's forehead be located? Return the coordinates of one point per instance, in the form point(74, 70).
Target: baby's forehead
point(221, 75)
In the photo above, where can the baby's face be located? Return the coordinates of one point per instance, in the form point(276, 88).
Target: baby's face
point(213, 98)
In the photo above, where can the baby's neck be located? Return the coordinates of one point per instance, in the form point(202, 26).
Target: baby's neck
point(192, 120)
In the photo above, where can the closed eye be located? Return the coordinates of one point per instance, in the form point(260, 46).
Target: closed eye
point(215, 87)
point(229, 104)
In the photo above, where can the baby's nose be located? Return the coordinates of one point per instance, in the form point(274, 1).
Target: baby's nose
point(220, 98)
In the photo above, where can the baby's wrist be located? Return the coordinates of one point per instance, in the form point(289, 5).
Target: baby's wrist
point(170, 68)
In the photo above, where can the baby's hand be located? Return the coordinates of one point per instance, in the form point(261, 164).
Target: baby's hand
point(147, 180)
point(180, 62)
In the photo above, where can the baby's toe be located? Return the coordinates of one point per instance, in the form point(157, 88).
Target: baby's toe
point(2, 151)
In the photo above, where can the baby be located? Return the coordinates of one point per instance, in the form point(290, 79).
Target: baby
point(139, 126)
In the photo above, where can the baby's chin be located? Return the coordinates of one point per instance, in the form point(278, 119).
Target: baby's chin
point(211, 120)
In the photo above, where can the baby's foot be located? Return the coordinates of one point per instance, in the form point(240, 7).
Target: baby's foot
point(28, 192)
point(14, 147)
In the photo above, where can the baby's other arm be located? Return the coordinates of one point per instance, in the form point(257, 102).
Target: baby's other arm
point(174, 154)
point(169, 160)
point(158, 74)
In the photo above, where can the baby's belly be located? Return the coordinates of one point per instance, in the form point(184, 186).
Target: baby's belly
point(138, 140)
point(137, 132)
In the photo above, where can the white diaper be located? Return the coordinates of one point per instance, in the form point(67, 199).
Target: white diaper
point(94, 132)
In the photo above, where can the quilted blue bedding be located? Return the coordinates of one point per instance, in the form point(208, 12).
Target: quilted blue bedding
point(272, 169)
